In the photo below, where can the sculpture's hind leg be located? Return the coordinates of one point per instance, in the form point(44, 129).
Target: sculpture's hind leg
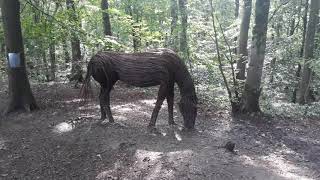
point(161, 96)
point(105, 104)
point(170, 100)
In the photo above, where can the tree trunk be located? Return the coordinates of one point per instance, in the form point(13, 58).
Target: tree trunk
point(45, 67)
point(21, 97)
point(237, 7)
point(305, 81)
point(76, 69)
point(136, 40)
point(106, 18)
point(298, 72)
point(252, 89)
point(52, 53)
point(66, 52)
point(184, 26)
point(2, 48)
point(243, 40)
point(36, 19)
point(276, 41)
point(136, 36)
point(236, 16)
point(174, 22)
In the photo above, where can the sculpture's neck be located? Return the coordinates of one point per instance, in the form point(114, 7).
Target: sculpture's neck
point(185, 83)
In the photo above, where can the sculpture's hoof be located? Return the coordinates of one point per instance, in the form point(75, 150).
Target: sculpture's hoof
point(153, 130)
point(103, 123)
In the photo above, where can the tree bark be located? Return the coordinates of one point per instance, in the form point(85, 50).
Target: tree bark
point(184, 26)
point(243, 40)
point(106, 18)
point(174, 23)
point(52, 53)
point(2, 48)
point(236, 16)
point(21, 97)
point(298, 72)
point(237, 7)
point(133, 12)
point(45, 67)
point(252, 89)
point(306, 78)
point(76, 69)
point(66, 52)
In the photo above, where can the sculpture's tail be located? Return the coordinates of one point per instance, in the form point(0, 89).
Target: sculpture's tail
point(86, 87)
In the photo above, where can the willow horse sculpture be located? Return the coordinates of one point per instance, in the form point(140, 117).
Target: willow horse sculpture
point(162, 67)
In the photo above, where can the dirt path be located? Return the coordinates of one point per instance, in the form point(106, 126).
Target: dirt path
point(63, 141)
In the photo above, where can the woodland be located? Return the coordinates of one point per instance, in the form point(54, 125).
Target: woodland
point(242, 99)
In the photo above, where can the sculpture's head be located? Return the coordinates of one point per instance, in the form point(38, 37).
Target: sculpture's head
point(188, 109)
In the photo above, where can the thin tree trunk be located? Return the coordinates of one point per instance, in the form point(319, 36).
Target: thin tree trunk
point(45, 67)
point(298, 72)
point(237, 8)
point(52, 47)
point(236, 16)
point(305, 82)
point(76, 69)
point(106, 18)
point(66, 52)
point(243, 40)
point(174, 23)
point(274, 59)
point(252, 89)
point(219, 58)
point(136, 36)
point(2, 48)
point(184, 26)
point(36, 19)
point(131, 10)
point(20, 93)
point(52, 53)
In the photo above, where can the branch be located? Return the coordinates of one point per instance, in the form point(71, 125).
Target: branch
point(230, 60)
point(218, 53)
point(62, 24)
point(277, 9)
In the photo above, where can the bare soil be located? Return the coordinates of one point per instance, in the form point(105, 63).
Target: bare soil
point(63, 140)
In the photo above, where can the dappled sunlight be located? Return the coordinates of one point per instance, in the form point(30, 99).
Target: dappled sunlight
point(126, 107)
point(308, 140)
point(149, 102)
point(124, 110)
point(284, 167)
point(63, 128)
point(89, 107)
point(149, 165)
point(174, 155)
point(120, 117)
point(177, 136)
point(277, 163)
point(76, 100)
point(3, 144)
point(87, 116)
point(293, 110)
point(151, 155)
point(120, 112)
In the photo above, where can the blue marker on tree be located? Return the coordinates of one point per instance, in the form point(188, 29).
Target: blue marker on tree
point(14, 60)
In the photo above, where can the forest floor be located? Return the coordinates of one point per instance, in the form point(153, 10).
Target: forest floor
point(63, 140)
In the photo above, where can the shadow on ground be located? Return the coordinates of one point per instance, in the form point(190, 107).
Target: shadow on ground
point(64, 141)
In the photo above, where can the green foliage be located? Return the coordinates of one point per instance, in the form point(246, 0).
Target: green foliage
point(50, 22)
